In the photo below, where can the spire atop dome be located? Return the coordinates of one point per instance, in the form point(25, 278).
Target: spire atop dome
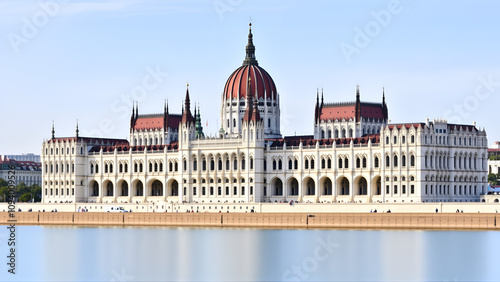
point(250, 50)
point(53, 130)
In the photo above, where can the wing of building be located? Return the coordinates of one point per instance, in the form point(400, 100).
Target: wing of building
point(354, 155)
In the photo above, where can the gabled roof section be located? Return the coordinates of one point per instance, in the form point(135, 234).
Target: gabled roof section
point(91, 140)
point(156, 121)
point(347, 111)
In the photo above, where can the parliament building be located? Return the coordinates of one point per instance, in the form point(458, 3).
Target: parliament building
point(353, 156)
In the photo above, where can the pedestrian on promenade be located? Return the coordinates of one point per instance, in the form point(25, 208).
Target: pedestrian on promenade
point(436, 210)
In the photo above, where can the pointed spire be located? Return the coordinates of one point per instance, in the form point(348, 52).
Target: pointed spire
point(316, 108)
point(136, 110)
point(165, 115)
point(322, 98)
point(358, 105)
point(132, 117)
point(186, 110)
point(256, 113)
point(77, 130)
point(53, 130)
point(249, 103)
point(133, 112)
point(250, 50)
point(384, 105)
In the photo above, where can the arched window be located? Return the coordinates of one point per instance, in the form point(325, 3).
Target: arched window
point(91, 168)
point(243, 164)
point(403, 160)
point(412, 160)
point(296, 164)
point(387, 161)
point(280, 165)
point(274, 165)
point(290, 164)
point(340, 163)
point(323, 163)
point(329, 163)
point(219, 164)
point(212, 165)
point(204, 165)
point(312, 163)
point(306, 164)
point(413, 139)
point(346, 163)
point(376, 162)
point(364, 162)
point(395, 161)
point(251, 163)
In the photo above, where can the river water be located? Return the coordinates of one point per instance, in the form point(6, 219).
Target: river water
point(58, 253)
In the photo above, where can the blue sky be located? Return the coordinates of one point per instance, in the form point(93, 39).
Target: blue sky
point(86, 60)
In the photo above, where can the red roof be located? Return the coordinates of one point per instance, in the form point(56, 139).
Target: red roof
point(261, 83)
point(147, 122)
point(91, 140)
point(348, 110)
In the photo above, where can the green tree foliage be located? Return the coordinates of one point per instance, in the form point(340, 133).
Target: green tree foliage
point(493, 179)
point(25, 193)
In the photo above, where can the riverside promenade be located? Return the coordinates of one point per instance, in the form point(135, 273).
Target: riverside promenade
point(421, 221)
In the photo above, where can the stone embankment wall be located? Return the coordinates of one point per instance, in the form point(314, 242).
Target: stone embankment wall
point(464, 221)
point(161, 207)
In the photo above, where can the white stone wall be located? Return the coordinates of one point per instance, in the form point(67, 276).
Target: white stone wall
point(245, 169)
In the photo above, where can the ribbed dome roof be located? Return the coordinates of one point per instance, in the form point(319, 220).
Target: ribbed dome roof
point(261, 83)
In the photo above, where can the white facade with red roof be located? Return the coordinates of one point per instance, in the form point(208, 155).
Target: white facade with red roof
point(354, 155)
point(28, 172)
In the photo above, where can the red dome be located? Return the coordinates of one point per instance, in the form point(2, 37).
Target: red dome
point(236, 85)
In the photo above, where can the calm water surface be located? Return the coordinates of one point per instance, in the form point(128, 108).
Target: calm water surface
point(194, 254)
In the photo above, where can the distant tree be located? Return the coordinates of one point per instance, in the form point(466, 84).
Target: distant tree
point(3, 183)
point(493, 179)
point(4, 193)
point(26, 197)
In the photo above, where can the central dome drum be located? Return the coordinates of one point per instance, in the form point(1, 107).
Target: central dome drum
point(250, 79)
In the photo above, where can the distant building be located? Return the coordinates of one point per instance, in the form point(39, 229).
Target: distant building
point(28, 172)
point(494, 158)
point(29, 157)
